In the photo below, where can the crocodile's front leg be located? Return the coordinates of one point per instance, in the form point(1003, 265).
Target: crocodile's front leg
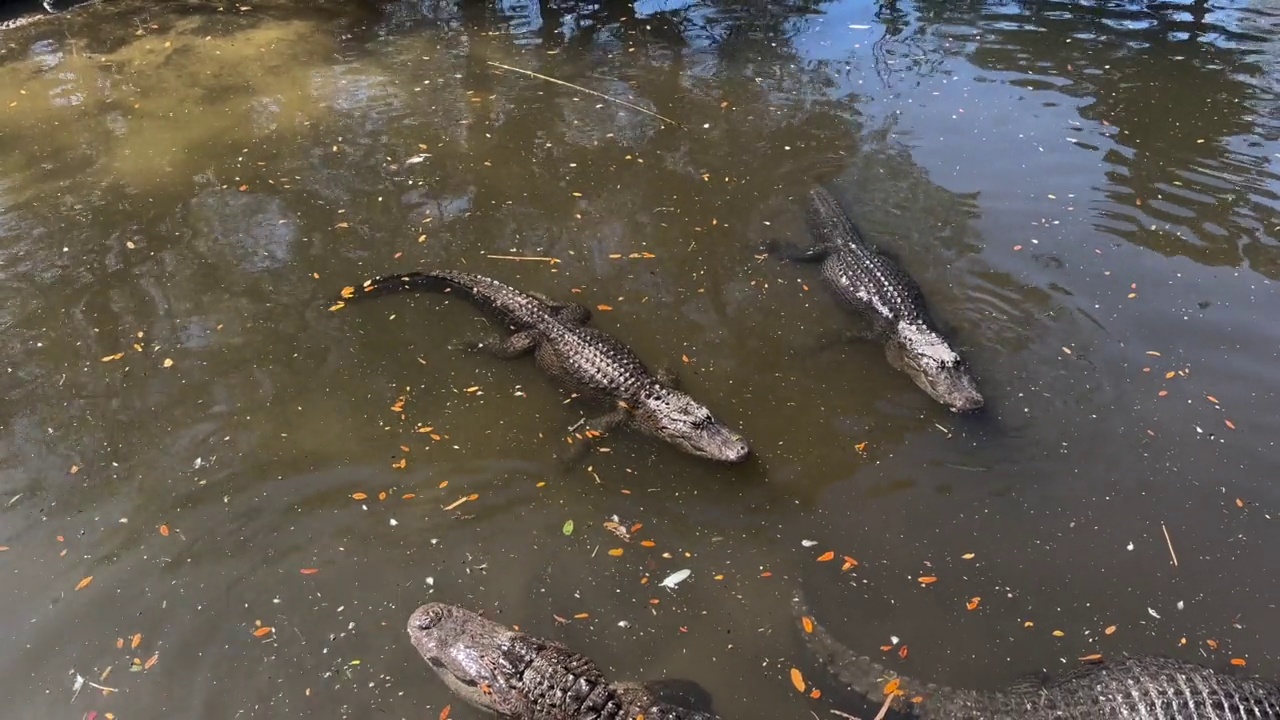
point(602, 425)
point(506, 348)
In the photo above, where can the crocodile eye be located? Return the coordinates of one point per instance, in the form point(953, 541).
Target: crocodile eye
point(432, 618)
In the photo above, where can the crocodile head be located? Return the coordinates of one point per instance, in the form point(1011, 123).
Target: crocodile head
point(466, 651)
point(927, 358)
point(684, 422)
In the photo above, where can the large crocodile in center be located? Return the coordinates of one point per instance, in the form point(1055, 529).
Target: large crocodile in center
point(875, 287)
point(583, 359)
point(527, 678)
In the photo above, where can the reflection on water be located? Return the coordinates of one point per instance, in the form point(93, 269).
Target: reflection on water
point(1086, 192)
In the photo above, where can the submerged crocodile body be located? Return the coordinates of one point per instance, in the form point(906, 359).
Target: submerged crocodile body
point(585, 360)
point(1150, 688)
point(876, 287)
point(527, 678)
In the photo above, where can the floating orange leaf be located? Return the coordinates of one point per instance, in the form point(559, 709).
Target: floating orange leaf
point(973, 603)
point(1212, 399)
point(262, 631)
point(1058, 633)
point(849, 564)
point(382, 496)
point(766, 574)
point(1213, 644)
point(928, 580)
point(616, 552)
point(815, 693)
point(886, 648)
point(359, 496)
point(902, 652)
point(1230, 424)
point(84, 583)
point(647, 543)
point(967, 556)
point(443, 484)
point(348, 292)
point(797, 679)
point(807, 622)
point(400, 465)
point(136, 641)
point(891, 688)
point(1238, 662)
point(119, 643)
point(444, 714)
point(408, 496)
point(827, 556)
point(1091, 658)
point(309, 571)
point(3, 548)
point(164, 530)
point(581, 616)
point(1110, 629)
point(151, 661)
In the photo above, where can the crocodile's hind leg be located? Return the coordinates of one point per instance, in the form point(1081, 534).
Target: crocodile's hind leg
point(796, 252)
point(566, 312)
point(594, 429)
point(506, 348)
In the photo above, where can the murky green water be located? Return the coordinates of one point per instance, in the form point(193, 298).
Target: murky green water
point(1087, 193)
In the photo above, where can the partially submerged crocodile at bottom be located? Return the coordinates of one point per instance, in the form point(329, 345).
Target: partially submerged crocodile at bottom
point(1150, 688)
point(873, 285)
point(585, 360)
point(527, 678)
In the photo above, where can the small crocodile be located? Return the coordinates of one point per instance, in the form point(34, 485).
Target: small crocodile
point(585, 360)
point(876, 287)
point(1146, 687)
point(527, 678)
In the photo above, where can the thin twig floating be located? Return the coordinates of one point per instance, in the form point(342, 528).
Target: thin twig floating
point(585, 90)
point(551, 260)
point(1172, 554)
point(885, 707)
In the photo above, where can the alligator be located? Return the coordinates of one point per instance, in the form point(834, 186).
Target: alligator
point(583, 359)
point(876, 287)
point(31, 18)
point(1147, 687)
point(519, 676)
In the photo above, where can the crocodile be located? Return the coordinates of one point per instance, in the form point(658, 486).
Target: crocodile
point(583, 359)
point(519, 676)
point(1147, 687)
point(31, 18)
point(876, 287)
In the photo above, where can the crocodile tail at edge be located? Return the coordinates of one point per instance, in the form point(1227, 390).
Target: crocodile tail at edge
point(862, 674)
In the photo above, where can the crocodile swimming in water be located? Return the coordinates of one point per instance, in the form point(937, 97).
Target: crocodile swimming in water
point(1150, 688)
point(527, 678)
point(877, 288)
point(583, 359)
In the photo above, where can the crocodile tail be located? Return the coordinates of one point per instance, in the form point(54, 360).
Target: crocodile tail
point(862, 674)
point(415, 281)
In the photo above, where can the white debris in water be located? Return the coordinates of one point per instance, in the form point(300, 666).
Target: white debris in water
point(808, 543)
point(893, 639)
point(1154, 614)
point(1129, 547)
point(431, 581)
point(675, 578)
point(1181, 605)
point(624, 623)
point(393, 522)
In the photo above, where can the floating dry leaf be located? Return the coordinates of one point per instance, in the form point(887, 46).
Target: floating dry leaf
point(1213, 644)
point(119, 643)
point(928, 580)
point(891, 687)
point(164, 530)
point(1058, 633)
point(603, 307)
point(1110, 629)
point(444, 714)
point(1238, 662)
point(1091, 658)
point(262, 631)
point(1230, 424)
point(84, 583)
point(797, 679)
point(359, 496)
point(647, 543)
point(168, 362)
point(151, 661)
point(616, 552)
point(902, 652)
point(309, 571)
point(973, 603)
point(967, 556)
point(4, 548)
point(807, 623)
point(136, 641)
point(827, 556)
